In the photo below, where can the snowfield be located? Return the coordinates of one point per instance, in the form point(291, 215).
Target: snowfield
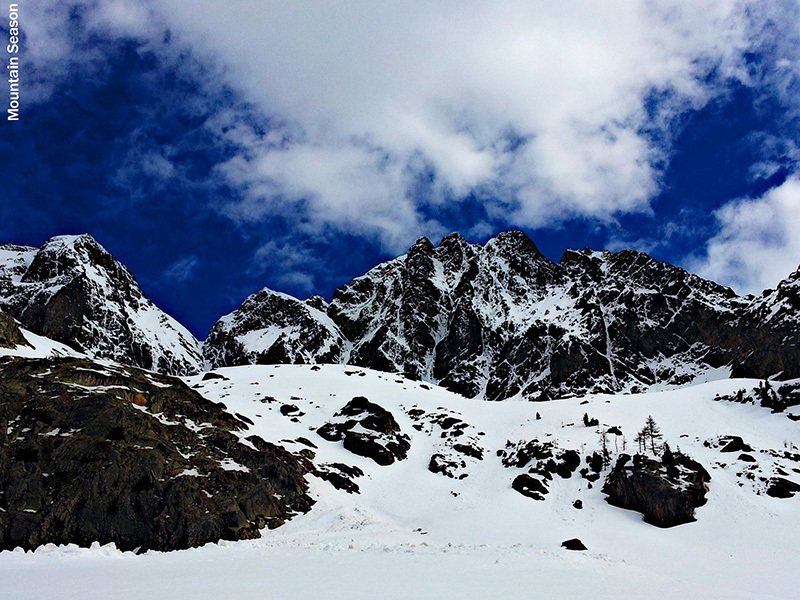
point(411, 533)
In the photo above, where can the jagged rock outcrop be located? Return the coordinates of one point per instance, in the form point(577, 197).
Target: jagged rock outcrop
point(92, 452)
point(772, 333)
point(271, 328)
point(776, 399)
point(73, 291)
point(547, 460)
point(10, 335)
point(369, 430)
point(666, 490)
point(500, 319)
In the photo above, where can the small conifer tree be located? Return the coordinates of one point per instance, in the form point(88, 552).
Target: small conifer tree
point(650, 434)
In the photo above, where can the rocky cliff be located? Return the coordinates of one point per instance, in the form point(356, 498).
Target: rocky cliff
point(501, 319)
point(73, 291)
point(109, 453)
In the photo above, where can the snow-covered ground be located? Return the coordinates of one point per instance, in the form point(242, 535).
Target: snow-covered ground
point(413, 533)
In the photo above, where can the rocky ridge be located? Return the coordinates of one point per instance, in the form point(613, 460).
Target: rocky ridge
point(73, 291)
point(498, 320)
point(275, 328)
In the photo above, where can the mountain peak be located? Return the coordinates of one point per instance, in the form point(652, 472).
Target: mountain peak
point(514, 242)
point(500, 320)
point(422, 246)
point(75, 292)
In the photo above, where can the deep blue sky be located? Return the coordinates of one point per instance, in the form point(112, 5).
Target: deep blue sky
point(208, 188)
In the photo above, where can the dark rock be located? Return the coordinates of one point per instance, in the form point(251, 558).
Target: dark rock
point(439, 463)
point(384, 442)
point(546, 458)
point(529, 486)
point(10, 335)
point(522, 453)
point(290, 409)
point(747, 458)
point(596, 462)
point(340, 476)
point(469, 450)
point(573, 544)
point(734, 443)
point(114, 454)
point(780, 487)
point(245, 418)
point(568, 462)
point(777, 400)
point(210, 376)
point(578, 504)
point(73, 291)
point(665, 493)
point(366, 445)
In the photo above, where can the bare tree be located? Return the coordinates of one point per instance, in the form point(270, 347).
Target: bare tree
point(604, 447)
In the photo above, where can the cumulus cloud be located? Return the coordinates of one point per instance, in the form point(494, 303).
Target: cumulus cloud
point(545, 110)
point(758, 243)
point(294, 265)
point(383, 120)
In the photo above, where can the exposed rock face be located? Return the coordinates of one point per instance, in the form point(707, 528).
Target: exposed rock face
point(10, 335)
point(497, 320)
point(272, 328)
point(777, 400)
point(458, 443)
point(73, 291)
point(770, 344)
point(665, 491)
point(368, 430)
point(92, 452)
point(545, 460)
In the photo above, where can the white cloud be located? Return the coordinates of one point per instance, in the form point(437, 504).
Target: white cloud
point(758, 244)
point(376, 87)
point(538, 108)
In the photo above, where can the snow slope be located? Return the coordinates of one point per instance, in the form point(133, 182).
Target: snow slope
point(39, 347)
point(414, 533)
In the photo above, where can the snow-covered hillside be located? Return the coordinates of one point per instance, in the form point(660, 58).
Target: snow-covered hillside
point(411, 532)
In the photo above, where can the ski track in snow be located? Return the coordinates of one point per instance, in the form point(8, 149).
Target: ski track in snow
point(413, 533)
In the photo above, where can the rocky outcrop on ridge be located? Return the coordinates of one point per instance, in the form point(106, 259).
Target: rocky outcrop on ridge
point(73, 291)
point(271, 328)
point(95, 452)
point(369, 430)
point(770, 344)
point(10, 335)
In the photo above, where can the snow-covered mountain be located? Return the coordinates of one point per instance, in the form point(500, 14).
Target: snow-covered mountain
point(272, 328)
point(500, 319)
point(73, 291)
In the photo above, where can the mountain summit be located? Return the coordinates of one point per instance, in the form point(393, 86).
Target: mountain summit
point(73, 291)
point(498, 320)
